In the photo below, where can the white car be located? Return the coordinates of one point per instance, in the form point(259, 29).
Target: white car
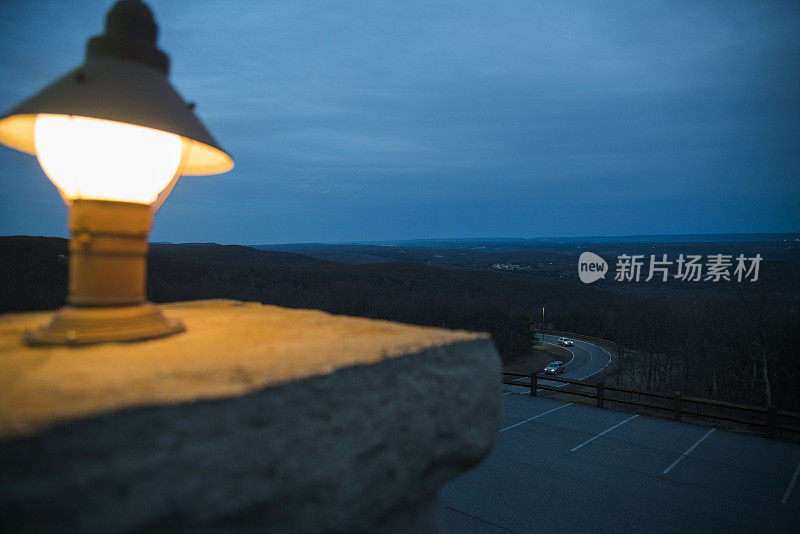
point(553, 368)
point(565, 342)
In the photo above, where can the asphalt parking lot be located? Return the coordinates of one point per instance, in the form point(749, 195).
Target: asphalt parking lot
point(562, 467)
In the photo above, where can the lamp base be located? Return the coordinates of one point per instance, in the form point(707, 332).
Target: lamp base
point(72, 325)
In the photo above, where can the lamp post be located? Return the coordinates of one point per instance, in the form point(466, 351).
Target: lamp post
point(543, 327)
point(113, 136)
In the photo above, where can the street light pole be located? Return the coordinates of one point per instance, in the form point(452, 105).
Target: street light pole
point(543, 327)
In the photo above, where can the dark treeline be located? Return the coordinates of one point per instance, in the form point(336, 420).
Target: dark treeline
point(743, 348)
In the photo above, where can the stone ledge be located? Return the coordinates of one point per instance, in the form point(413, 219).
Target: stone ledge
point(366, 419)
point(230, 348)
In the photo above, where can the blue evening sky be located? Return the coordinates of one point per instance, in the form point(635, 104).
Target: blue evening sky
point(388, 120)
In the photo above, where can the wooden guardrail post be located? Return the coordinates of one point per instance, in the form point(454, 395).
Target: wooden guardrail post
point(771, 422)
point(676, 416)
point(600, 394)
point(533, 384)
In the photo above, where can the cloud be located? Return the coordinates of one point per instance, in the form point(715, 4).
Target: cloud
point(482, 118)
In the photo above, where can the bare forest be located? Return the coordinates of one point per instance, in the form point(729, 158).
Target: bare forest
point(737, 345)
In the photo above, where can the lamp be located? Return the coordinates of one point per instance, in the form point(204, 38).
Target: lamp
point(113, 136)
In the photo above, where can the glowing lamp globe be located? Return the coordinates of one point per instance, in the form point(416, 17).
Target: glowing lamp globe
point(80, 155)
point(113, 136)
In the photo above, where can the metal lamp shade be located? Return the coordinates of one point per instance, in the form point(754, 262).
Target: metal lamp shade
point(123, 91)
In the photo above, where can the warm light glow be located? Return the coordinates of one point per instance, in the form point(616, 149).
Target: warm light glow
point(105, 160)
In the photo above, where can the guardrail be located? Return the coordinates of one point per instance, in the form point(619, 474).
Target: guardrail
point(768, 417)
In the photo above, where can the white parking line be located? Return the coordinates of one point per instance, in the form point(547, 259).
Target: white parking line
point(791, 485)
point(535, 417)
point(685, 454)
point(603, 432)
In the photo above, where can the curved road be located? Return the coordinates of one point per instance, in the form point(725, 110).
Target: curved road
point(588, 359)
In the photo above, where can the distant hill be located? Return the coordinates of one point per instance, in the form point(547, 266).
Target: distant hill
point(33, 276)
point(643, 238)
point(514, 243)
point(697, 339)
point(213, 253)
point(780, 267)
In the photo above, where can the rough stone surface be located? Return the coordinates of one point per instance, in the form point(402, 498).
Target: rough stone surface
point(368, 419)
point(230, 348)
